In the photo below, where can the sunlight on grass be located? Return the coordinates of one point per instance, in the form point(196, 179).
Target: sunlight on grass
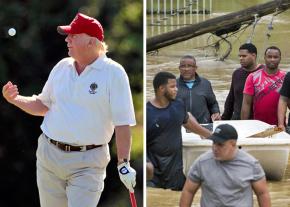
point(137, 131)
point(137, 142)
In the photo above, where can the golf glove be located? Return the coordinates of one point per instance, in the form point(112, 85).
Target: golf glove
point(127, 175)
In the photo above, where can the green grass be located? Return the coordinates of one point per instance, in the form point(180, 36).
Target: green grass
point(136, 131)
point(137, 142)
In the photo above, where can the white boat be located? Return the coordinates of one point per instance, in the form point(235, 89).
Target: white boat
point(272, 152)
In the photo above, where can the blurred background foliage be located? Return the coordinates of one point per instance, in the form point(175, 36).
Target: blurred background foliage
point(27, 58)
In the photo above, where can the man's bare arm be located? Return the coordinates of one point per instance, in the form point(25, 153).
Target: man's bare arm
point(195, 127)
point(188, 193)
point(30, 105)
point(261, 190)
point(246, 106)
point(282, 108)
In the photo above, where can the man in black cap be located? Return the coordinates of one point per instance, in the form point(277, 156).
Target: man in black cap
point(227, 176)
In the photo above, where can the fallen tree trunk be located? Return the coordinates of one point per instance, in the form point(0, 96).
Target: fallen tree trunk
point(215, 24)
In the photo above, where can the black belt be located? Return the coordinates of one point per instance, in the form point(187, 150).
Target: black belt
point(70, 148)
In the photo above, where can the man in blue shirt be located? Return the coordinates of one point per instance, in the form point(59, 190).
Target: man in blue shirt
point(165, 116)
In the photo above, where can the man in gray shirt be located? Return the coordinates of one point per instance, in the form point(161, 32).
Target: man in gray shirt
point(227, 176)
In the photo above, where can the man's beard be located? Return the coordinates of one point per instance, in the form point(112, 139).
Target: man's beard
point(168, 96)
point(248, 66)
point(272, 66)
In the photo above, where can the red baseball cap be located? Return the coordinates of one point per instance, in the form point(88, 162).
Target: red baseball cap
point(83, 24)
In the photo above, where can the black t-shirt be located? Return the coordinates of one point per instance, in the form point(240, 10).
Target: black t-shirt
point(285, 89)
point(164, 144)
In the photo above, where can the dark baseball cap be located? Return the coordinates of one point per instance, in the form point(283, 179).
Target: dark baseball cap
point(83, 24)
point(224, 132)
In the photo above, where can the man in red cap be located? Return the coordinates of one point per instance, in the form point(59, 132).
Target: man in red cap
point(86, 97)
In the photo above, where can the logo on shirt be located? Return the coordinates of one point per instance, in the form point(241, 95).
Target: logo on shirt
point(93, 88)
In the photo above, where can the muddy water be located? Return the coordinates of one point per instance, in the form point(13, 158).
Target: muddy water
point(218, 72)
point(279, 192)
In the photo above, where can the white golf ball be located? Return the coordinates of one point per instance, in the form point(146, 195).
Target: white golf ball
point(12, 32)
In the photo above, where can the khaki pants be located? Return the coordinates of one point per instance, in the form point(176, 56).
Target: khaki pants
point(70, 179)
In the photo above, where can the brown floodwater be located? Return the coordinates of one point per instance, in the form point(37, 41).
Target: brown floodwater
point(279, 193)
point(219, 73)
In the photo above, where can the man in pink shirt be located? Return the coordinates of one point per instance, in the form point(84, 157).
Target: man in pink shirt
point(262, 87)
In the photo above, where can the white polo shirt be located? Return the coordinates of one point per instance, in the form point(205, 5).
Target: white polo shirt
point(83, 109)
